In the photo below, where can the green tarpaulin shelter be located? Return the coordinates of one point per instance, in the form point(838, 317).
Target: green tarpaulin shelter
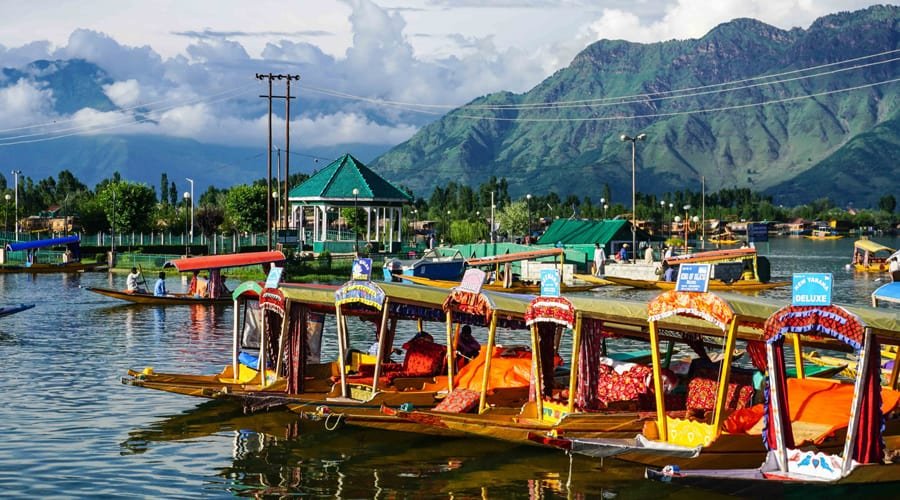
point(583, 232)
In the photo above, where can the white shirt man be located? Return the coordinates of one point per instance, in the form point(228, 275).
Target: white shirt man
point(599, 260)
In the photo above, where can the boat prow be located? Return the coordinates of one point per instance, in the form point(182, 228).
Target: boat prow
point(150, 299)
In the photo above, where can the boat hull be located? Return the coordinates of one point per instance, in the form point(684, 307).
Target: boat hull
point(6, 311)
point(150, 299)
point(515, 288)
point(52, 268)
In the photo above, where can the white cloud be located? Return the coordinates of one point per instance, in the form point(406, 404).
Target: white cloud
point(124, 94)
point(24, 104)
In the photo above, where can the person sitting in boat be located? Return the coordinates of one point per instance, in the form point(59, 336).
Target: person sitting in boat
point(131, 282)
point(669, 273)
point(467, 346)
point(159, 290)
point(894, 268)
point(202, 288)
point(622, 255)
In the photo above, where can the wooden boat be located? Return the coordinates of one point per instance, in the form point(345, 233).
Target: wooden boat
point(823, 234)
point(861, 414)
point(737, 270)
point(723, 240)
point(594, 280)
point(727, 437)
point(514, 287)
point(71, 259)
point(870, 257)
point(430, 265)
point(501, 272)
point(212, 263)
point(288, 321)
point(847, 367)
point(8, 310)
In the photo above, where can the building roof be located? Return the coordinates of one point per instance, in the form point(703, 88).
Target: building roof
point(574, 232)
point(337, 181)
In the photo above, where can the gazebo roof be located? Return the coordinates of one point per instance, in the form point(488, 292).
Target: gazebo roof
point(340, 177)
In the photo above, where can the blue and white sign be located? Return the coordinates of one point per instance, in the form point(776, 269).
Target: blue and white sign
point(550, 283)
point(811, 289)
point(362, 270)
point(757, 231)
point(692, 278)
point(274, 277)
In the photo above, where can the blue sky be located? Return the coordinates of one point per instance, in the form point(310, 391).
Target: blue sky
point(192, 62)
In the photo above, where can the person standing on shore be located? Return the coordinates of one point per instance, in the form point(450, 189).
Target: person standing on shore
point(648, 254)
point(599, 260)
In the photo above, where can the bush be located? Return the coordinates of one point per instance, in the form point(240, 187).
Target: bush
point(324, 260)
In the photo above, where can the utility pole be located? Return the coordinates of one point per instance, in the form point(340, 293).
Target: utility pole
point(287, 97)
point(287, 149)
point(17, 173)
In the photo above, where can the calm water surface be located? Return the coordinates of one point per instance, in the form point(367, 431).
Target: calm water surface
point(71, 429)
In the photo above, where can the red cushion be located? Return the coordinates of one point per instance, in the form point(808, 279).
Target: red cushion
point(702, 395)
point(424, 358)
point(459, 401)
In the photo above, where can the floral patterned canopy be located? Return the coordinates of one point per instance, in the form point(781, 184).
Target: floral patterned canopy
point(707, 306)
point(553, 309)
point(833, 321)
point(360, 292)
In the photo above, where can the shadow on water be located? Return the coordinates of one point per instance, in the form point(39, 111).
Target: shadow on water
point(277, 453)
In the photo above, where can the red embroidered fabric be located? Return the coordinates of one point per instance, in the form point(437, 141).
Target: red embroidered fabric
point(701, 393)
point(468, 302)
point(550, 309)
point(459, 401)
point(706, 306)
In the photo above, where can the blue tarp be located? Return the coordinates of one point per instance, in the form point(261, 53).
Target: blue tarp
point(888, 293)
point(29, 245)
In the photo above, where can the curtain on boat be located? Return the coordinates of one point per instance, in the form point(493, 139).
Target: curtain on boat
point(756, 349)
point(589, 364)
point(768, 417)
point(869, 447)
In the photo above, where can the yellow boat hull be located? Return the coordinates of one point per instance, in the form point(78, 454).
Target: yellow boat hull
point(736, 286)
point(515, 288)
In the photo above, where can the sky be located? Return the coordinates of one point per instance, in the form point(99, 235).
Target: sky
point(186, 68)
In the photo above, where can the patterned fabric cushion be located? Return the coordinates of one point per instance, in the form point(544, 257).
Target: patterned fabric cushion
point(459, 401)
point(424, 358)
point(702, 395)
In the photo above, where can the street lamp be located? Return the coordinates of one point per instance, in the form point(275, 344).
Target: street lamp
point(687, 225)
point(187, 199)
point(415, 230)
point(662, 214)
point(603, 204)
point(446, 237)
point(671, 206)
point(528, 207)
point(6, 213)
point(192, 208)
point(277, 218)
point(355, 217)
point(633, 141)
point(16, 173)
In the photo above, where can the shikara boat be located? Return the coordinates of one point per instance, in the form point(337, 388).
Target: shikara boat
point(431, 265)
point(735, 270)
point(723, 240)
point(728, 435)
point(500, 277)
point(212, 263)
point(823, 234)
point(71, 258)
point(889, 293)
point(8, 310)
point(858, 409)
point(870, 257)
point(281, 329)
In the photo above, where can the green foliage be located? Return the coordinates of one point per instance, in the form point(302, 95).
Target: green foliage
point(245, 208)
point(887, 203)
point(209, 218)
point(128, 206)
point(465, 231)
point(324, 259)
point(513, 219)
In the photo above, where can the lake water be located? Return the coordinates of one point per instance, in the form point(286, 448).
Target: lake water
point(71, 429)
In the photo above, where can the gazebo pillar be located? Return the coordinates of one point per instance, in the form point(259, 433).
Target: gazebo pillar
point(368, 223)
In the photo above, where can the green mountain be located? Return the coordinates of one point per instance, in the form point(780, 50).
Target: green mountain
point(814, 138)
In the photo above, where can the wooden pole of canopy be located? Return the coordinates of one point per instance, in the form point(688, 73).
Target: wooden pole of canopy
point(382, 333)
point(236, 341)
point(536, 371)
point(450, 370)
point(661, 423)
point(282, 340)
point(725, 374)
point(777, 410)
point(895, 371)
point(798, 356)
point(342, 350)
point(573, 363)
point(862, 368)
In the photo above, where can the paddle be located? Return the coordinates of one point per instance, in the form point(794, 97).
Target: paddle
point(143, 279)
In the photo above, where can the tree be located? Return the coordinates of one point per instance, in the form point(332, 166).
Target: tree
point(245, 208)
point(209, 218)
point(887, 203)
point(128, 205)
point(465, 231)
point(173, 195)
point(164, 189)
point(513, 218)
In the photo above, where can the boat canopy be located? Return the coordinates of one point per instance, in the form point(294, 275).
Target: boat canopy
point(887, 293)
point(871, 246)
point(30, 245)
point(515, 257)
point(223, 261)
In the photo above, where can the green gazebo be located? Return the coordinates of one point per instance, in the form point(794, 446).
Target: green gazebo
point(316, 207)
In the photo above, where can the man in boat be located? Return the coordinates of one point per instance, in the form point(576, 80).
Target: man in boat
point(467, 346)
point(131, 282)
point(894, 268)
point(159, 289)
point(622, 256)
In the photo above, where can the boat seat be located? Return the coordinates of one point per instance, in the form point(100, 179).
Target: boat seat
point(424, 358)
point(701, 393)
point(459, 401)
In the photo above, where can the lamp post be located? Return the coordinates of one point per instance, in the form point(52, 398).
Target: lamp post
point(671, 206)
point(192, 207)
point(528, 208)
point(415, 230)
point(687, 225)
point(355, 217)
point(187, 199)
point(603, 204)
point(446, 237)
point(276, 218)
point(16, 173)
point(662, 214)
point(8, 197)
point(633, 141)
